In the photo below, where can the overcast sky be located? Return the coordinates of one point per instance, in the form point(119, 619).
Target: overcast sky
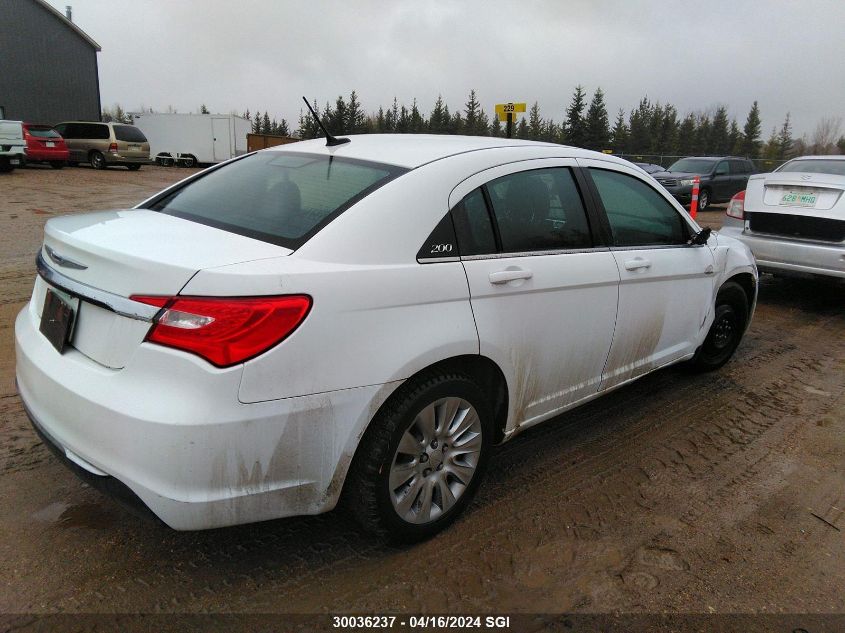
point(233, 55)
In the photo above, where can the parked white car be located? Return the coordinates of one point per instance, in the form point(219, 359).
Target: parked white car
point(362, 322)
point(12, 145)
point(793, 219)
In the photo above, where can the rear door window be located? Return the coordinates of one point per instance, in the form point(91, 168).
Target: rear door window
point(638, 215)
point(129, 133)
point(539, 210)
point(91, 131)
point(279, 197)
point(472, 225)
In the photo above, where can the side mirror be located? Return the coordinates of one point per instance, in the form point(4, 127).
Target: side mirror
point(701, 237)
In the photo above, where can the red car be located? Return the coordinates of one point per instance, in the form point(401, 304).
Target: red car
point(44, 145)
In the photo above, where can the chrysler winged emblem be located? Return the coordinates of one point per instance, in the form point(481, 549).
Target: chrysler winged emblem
point(65, 262)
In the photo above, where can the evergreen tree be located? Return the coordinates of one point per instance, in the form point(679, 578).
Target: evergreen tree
point(551, 132)
point(256, 123)
point(840, 144)
point(403, 123)
point(265, 123)
point(639, 123)
point(381, 122)
point(496, 128)
point(438, 121)
point(735, 138)
point(669, 131)
point(283, 129)
point(597, 127)
point(336, 120)
point(702, 135)
point(246, 115)
point(771, 147)
point(274, 127)
point(619, 134)
point(751, 133)
point(575, 127)
point(535, 123)
point(521, 130)
point(472, 117)
point(417, 124)
point(391, 119)
point(785, 139)
point(655, 126)
point(356, 121)
point(687, 136)
point(204, 110)
point(719, 138)
point(308, 127)
point(456, 124)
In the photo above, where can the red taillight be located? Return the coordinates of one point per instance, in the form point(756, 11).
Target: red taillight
point(225, 330)
point(736, 207)
point(113, 148)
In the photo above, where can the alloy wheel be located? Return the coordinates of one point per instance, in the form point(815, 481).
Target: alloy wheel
point(435, 461)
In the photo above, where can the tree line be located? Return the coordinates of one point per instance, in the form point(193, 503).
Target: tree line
point(650, 128)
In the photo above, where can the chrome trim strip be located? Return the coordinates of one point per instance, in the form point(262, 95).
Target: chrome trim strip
point(653, 247)
point(108, 300)
point(437, 260)
point(570, 251)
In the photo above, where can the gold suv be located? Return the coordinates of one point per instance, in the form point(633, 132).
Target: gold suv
point(104, 144)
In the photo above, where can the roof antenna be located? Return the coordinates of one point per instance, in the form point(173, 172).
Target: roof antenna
point(331, 141)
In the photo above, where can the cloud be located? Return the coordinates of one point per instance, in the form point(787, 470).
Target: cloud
point(265, 55)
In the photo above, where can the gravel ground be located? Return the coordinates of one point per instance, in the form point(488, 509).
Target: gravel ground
point(681, 494)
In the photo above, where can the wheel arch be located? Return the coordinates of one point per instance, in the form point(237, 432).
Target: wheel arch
point(748, 283)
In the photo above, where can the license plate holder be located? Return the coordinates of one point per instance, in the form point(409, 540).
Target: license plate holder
point(50, 144)
point(57, 318)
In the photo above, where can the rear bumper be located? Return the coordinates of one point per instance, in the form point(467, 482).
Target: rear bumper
point(775, 254)
point(169, 429)
point(104, 483)
point(122, 159)
point(47, 154)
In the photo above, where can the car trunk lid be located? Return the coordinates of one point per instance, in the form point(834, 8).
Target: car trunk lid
point(798, 205)
point(116, 254)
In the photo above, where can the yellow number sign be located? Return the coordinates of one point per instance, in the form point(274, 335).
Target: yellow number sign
point(503, 109)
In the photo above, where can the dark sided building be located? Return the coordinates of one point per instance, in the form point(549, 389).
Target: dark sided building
point(49, 65)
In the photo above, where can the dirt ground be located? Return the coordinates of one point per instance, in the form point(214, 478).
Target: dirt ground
point(682, 494)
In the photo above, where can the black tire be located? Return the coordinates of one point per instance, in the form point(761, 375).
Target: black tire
point(703, 199)
point(97, 160)
point(6, 166)
point(729, 323)
point(57, 164)
point(367, 494)
point(133, 167)
point(188, 161)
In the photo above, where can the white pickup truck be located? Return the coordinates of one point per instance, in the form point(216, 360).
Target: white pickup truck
point(12, 145)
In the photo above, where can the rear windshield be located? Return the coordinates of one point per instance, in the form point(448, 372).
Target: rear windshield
point(823, 166)
point(279, 197)
point(43, 132)
point(129, 133)
point(693, 166)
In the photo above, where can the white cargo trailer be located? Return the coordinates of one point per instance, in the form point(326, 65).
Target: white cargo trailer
point(189, 139)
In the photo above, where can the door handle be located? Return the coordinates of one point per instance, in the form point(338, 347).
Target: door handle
point(504, 276)
point(638, 263)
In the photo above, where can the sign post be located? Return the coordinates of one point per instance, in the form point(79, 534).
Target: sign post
point(507, 114)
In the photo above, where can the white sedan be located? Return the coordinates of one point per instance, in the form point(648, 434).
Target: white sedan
point(360, 323)
point(793, 219)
